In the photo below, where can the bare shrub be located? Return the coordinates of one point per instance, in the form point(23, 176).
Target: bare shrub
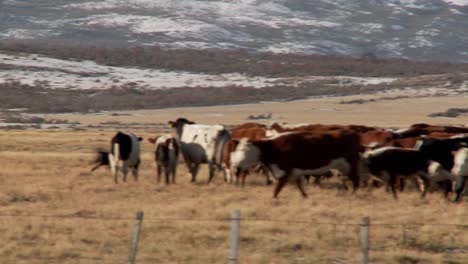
point(259, 116)
point(451, 112)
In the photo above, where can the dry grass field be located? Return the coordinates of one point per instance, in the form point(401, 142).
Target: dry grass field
point(53, 210)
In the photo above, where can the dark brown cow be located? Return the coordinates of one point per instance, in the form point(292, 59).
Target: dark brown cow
point(425, 129)
point(166, 156)
point(410, 141)
point(290, 156)
point(277, 128)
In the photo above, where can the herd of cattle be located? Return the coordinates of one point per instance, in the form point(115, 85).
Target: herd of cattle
point(433, 156)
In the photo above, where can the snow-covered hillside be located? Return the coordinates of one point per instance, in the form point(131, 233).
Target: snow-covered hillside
point(64, 74)
point(419, 29)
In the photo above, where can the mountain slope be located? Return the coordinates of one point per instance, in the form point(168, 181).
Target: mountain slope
point(416, 29)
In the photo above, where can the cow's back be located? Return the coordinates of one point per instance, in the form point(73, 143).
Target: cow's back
point(129, 147)
point(199, 141)
point(302, 149)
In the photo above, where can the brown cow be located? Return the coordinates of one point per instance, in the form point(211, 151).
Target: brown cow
point(290, 156)
point(277, 128)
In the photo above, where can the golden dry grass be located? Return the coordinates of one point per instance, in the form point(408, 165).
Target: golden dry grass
point(46, 173)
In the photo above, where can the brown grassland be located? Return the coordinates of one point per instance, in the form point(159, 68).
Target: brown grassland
point(45, 173)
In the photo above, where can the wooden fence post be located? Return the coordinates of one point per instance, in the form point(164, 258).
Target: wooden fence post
point(235, 231)
point(135, 237)
point(364, 237)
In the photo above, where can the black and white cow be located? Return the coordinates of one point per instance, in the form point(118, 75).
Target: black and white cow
point(441, 151)
point(391, 163)
point(201, 144)
point(124, 154)
point(166, 156)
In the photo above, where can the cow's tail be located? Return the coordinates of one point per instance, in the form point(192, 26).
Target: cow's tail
point(101, 159)
point(223, 138)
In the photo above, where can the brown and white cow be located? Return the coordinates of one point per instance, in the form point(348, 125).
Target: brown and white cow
point(370, 137)
point(166, 156)
point(290, 156)
point(252, 131)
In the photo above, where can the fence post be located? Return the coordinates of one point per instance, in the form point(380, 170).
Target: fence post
point(235, 230)
point(135, 237)
point(364, 236)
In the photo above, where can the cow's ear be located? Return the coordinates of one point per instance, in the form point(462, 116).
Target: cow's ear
point(171, 124)
point(140, 138)
point(152, 140)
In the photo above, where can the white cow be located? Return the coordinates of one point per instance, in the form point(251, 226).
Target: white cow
point(200, 144)
point(460, 170)
point(166, 156)
point(124, 154)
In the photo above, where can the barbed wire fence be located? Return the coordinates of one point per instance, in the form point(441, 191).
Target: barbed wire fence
point(366, 240)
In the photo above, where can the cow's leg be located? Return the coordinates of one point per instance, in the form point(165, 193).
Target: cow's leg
point(426, 183)
point(344, 183)
point(316, 180)
point(158, 173)
point(173, 172)
point(447, 185)
point(459, 187)
point(194, 171)
point(237, 175)
point(190, 167)
point(135, 171)
point(125, 172)
point(227, 175)
point(402, 183)
point(300, 185)
point(268, 175)
point(279, 186)
point(392, 182)
point(353, 173)
point(211, 170)
point(167, 174)
point(244, 175)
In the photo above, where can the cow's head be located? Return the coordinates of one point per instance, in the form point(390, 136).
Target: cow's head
point(101, 159)
point(180, 122)
point(178, 125)
point(153, 140)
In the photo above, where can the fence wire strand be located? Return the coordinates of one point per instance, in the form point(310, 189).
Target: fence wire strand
point(225, 219)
